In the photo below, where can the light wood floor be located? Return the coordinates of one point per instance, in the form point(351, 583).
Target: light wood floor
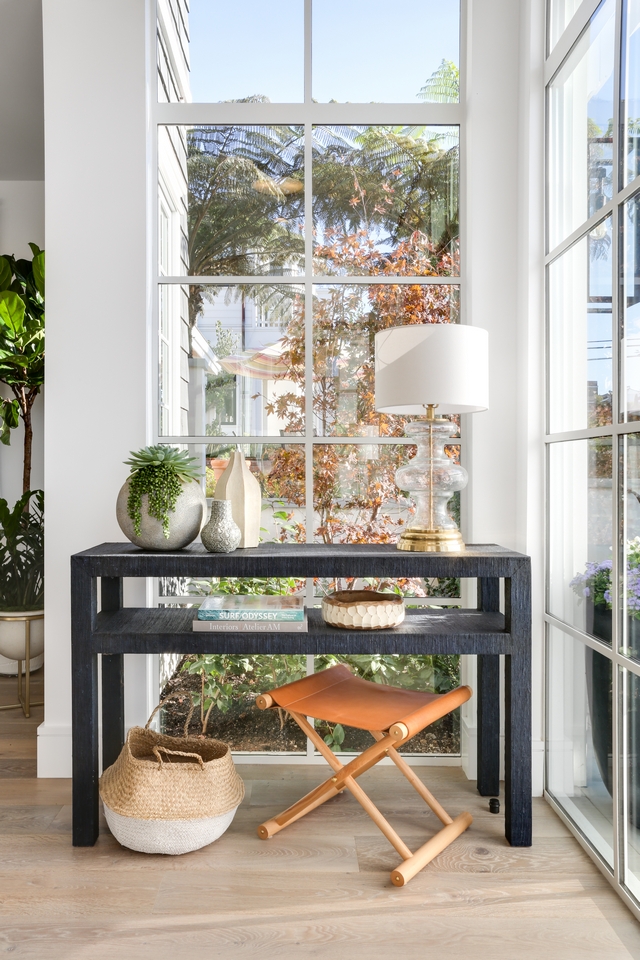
point(318, 890)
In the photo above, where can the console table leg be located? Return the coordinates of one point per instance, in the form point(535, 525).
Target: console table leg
point(488, 705)
point(488, 700)
point(84, 677)
point(112, 681)
point(517, 778)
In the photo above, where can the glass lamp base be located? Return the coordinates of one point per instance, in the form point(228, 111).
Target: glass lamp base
point(420, 540)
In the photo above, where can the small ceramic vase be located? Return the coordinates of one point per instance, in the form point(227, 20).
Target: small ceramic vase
point(221, 534)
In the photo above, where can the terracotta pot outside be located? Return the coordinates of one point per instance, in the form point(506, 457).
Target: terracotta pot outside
point(218, 465)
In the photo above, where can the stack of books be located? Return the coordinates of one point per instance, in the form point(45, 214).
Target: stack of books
point(252, 614)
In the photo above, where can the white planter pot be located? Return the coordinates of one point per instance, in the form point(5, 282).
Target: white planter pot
point(12, 634)
point(185, 522)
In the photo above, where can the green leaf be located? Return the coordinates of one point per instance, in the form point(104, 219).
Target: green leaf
point(9, 419)
point(38, 271)
point(12, 312)
point(5, 273)
point(338, 734)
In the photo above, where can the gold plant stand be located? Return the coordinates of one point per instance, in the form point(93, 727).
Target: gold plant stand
point(24, 701)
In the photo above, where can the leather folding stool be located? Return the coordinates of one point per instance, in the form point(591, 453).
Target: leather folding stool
point(392, 716)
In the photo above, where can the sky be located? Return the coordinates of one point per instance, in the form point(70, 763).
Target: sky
point(363, 50)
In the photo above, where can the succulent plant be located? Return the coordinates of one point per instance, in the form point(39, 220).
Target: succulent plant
point(184, 466)
point(159, 472)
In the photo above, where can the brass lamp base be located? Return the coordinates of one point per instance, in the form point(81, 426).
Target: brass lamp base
point(421, 540)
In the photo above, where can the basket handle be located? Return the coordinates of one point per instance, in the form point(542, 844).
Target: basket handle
point(177, 753)
point(173, 696)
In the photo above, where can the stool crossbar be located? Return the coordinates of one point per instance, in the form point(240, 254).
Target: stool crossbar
point(392, 716)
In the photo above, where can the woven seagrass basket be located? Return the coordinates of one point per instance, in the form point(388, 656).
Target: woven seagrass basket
point(170, 794)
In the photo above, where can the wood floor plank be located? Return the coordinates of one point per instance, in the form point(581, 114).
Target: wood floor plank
point(18, 769)
point(359, 938)
point(35, 791)
point(474, 854)
point(27, 819)
point(17, 748)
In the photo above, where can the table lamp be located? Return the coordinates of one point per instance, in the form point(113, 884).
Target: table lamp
point(419, 368)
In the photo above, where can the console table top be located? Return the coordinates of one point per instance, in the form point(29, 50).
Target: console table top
point(299, 560)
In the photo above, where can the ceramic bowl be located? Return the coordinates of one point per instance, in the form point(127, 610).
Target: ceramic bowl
point(363, 609)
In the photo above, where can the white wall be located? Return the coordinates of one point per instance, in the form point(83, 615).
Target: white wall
point(95, 144)
point(502, 220)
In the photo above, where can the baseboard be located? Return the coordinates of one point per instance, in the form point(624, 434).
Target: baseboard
point(54, 751)
point(469, 747)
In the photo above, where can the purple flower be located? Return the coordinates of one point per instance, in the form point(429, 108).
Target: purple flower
point(586, 592)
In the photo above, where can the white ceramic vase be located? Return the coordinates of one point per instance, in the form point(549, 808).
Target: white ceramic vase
point(185, 521)
point(238, 485)
point(12, 642)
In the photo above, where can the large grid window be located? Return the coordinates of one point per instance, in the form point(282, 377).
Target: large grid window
point(593, 404)
point(303, 207)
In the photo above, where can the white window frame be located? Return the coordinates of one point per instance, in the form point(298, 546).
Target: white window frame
point(307, 115)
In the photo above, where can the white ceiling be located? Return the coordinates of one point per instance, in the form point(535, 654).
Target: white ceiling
point(21, 91)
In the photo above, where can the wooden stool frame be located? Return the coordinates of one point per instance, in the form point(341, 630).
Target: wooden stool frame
point(345, 777)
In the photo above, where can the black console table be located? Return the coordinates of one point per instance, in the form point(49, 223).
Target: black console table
point(485, 632)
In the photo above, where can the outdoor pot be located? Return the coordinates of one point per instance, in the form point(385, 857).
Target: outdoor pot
point(12, 641)
point(185, 521)
point(600, 698)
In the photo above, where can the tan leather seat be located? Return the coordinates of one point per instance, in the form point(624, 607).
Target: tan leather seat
point(337, 696)
point(392, 716)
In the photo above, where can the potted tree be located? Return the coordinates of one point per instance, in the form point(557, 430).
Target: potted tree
point(21, 577)
point(22, 371)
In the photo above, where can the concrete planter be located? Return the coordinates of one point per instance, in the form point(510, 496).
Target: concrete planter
point(185, 522)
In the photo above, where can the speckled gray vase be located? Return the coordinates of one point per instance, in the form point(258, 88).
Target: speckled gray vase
point(185, 521)
point(221, 534)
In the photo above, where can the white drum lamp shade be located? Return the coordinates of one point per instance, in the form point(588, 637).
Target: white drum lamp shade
point(434, 363)
point(421, 368)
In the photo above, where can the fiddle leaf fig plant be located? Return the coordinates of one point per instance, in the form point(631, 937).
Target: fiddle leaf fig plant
point(21, 346)
point(159, 472)
point(22, 553)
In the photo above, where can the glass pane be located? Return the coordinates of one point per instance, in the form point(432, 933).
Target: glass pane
point(231, 685)
point(560, 14)
point(345, 321)
point(629, 643)
point(355, 496)
point(232, 360)
point(630, 106)
point(579, 737)
point(580, 487)
point(580, 365)
point(238, 197)
point(630, 308)
point(631, 767)
point(386, 200)
point(435, 674)
point(212, 51)
point(386, 74)
point(581, 128)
